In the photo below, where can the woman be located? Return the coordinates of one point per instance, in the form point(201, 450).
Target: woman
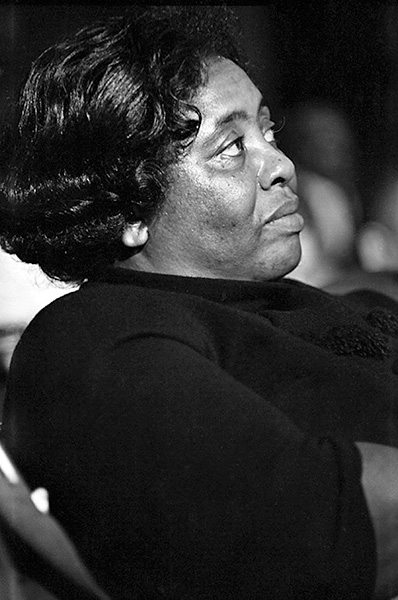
point(204, 427)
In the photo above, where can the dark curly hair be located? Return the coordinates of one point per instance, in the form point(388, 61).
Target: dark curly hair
point(101, 117)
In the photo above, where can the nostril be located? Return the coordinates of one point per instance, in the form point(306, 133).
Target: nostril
point(280, 180)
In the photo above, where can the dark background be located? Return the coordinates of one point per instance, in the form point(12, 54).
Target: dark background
point(342, 51)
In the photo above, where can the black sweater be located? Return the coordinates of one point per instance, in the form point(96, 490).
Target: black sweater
point(196, 435)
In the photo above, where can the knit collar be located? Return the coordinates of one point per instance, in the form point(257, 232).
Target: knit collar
point(218, 290)
point(305, 311)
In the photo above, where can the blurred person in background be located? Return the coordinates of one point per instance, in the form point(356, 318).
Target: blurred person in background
point(377, 238)
point(320, 141)
point(205, 426)
point(341, 250)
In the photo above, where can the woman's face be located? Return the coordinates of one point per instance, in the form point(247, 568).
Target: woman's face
point(230, 211)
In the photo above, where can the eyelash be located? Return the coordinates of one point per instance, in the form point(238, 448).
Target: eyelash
point(238, 143)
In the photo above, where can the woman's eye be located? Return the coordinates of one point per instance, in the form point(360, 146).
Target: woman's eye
point(235, 148)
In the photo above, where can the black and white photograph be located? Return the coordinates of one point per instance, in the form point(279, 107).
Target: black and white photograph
point(199, 301)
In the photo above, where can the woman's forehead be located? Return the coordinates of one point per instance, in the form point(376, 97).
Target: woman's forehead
point(228, 91)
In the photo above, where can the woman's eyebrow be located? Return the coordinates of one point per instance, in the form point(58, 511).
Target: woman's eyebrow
point(233, 116)
point(240, 115)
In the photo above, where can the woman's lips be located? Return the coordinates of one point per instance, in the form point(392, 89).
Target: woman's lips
point(293, 222)
point(286, 214)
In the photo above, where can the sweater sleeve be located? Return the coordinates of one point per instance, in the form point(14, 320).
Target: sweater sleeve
point(204, 490)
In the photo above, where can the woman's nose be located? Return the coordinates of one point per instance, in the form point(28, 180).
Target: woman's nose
point(276, 168)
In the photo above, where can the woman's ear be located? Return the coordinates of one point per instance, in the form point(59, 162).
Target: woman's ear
point(135, 234)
